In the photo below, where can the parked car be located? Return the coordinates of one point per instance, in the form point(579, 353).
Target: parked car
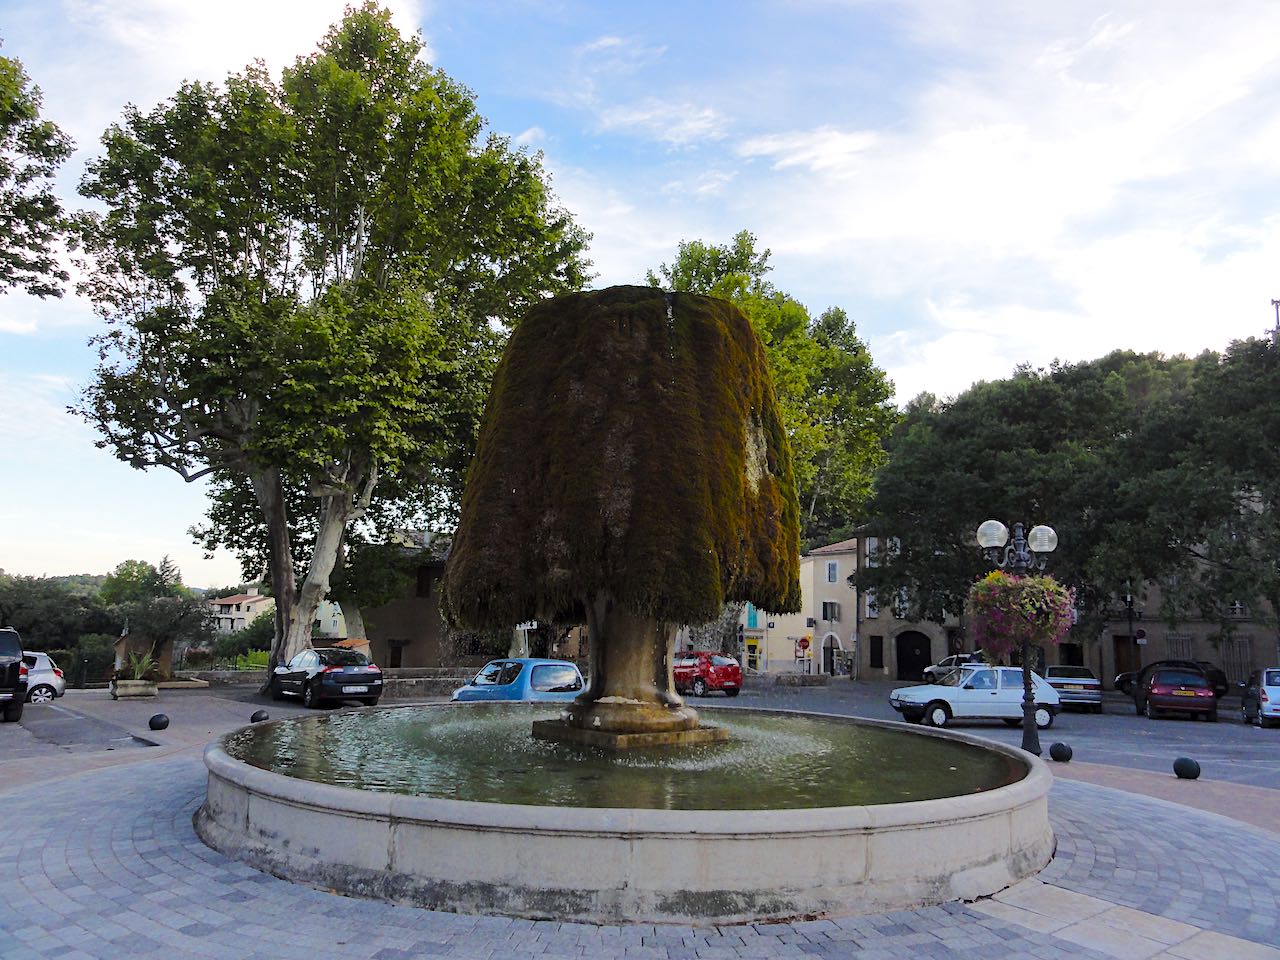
point(13, 676)
point(1260, 698)
point(1180, 690)
point(45, 681)
point(935, 672)
point(1076, 686)
point(524, 678)
point(699, 672)
point(976, 691)
point(1138, 680)
point(328, 673)
point(1217, 678)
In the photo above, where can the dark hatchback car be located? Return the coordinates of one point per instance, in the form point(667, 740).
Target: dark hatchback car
point(1135, 684)
point(327, 674)
point(13, 675)
point(1180, 690)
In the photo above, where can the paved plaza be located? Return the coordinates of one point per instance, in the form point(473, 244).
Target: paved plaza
point(101, 861)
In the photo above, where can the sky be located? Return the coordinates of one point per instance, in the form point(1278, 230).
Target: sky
point(979, 183)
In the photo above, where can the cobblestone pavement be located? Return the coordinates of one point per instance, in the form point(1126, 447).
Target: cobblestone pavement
point(105, 864)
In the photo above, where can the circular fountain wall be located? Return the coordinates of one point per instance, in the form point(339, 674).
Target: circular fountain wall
point(456, 807)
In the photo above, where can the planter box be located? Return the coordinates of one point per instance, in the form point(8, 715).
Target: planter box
point(130, 689)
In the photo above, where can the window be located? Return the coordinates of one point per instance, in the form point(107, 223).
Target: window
point(489, 673)
point(830, 610)
point(339, 657)
point(509, 673)
point(425, 577)
point(982, 680)
point(753, 617)
point(555, 678)
point(1178, 645)
point(873, 608)
point(833, 571)
point(877, 653)
point(719, 661)
point(395, 656)
point(873, 551)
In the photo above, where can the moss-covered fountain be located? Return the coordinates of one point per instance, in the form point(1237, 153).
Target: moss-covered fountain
point(632, 473)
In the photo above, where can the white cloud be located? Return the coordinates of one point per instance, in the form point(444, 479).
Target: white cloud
point(529, 137)
point(676, 123)
point(823, 149)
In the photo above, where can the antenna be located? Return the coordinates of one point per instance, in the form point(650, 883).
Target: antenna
point(1275, 334)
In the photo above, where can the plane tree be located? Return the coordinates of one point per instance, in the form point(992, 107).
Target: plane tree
point(305, 280)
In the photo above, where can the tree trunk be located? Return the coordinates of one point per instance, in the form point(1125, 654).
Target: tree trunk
point(269, 491)
point(631, 689)
point(354, 619)
point(335, 512)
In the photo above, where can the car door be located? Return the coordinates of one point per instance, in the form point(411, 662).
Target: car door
point(1011, 693)
point(976, 694)
point(286, 675)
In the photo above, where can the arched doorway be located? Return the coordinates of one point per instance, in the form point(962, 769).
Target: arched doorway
point(830, 644)
point(915, 652)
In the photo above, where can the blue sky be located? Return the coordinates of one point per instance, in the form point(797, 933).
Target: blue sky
point(979, 183)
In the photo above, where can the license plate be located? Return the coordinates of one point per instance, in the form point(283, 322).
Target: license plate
point(729, 683)
point(1184, 693)
point(355, 689)
point(1074, 686)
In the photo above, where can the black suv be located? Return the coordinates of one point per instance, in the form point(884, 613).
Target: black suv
point(13, 675)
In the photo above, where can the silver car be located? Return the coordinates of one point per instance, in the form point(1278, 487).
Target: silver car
point(45, 681)
point(1077, 686)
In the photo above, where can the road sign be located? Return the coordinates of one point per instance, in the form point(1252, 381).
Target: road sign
point(804, 643)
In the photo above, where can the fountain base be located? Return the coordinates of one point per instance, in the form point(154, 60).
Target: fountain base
point(559, 731)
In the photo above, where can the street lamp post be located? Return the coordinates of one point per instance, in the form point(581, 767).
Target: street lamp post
point(1020, 556)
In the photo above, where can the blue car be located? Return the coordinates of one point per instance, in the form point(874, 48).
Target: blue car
point(524, 678)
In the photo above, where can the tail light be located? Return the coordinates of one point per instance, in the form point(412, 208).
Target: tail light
point(1204, 693)
point(22, 670)
point(332, 669)
point(57, 672)
point(1160, 691)
point(1262, 694)
point(374, 668)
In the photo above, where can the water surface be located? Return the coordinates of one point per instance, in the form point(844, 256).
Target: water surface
point(482, 752)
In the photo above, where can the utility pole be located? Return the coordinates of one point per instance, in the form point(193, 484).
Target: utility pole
point(1275, 334)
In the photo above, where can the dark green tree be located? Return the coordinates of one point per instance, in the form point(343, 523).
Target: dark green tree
point(305, 283)
point(31, 219)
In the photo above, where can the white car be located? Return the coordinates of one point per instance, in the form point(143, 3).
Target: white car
point(45, 681)
point(976, 691)
point(1260, 698)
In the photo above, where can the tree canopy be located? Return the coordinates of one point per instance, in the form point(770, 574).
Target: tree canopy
point(305, 282)
point(835, 402)
point(31, 218)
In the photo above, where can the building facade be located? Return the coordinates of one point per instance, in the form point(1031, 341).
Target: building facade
point(237, 612)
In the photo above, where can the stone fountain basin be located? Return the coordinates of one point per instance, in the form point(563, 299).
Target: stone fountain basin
point(610, 865)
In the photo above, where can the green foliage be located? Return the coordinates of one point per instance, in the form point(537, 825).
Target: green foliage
point(302, 280)
point(49, 614)
point(31, 219)
point(375, 574)
point(94, 653)
point(135, 580)
point(1049, 446)
point(835, 401)
point(627, 451)
point(1008, 611)
point(161, 622)
point(256, 636)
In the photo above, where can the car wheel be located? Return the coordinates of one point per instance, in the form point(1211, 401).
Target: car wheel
point(13, 712)
point(1263, 722)
point(1152, 712)
point(937, 714)
point(731, 692)
point(42, 694)
point(309, 698)
point(273, 688)
point(1043, 717)
point(699, 687)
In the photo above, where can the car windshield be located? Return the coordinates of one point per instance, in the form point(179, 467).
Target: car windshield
point(344, 658)
point(1182, 678)
point(1271, 678)
point(1072, 673)
point(953, 678)
point(723, 662)
point(555, 678)
point(10, 645)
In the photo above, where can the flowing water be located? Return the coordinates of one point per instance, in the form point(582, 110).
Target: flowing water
point(485, 753)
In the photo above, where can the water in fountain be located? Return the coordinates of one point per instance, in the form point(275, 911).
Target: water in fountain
point(485, 753)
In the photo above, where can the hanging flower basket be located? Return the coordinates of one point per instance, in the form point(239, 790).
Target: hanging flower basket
point(1007, 611)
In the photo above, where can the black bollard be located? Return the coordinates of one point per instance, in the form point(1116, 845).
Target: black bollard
point(1060, 752)
point(1186, 768)
point(259, 716)
point(158, 722)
